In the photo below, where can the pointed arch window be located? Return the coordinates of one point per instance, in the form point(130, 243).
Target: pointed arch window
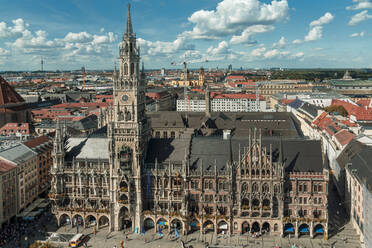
point(255, 187)
point(125, 69)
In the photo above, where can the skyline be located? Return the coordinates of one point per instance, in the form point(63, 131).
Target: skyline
point(244, 33)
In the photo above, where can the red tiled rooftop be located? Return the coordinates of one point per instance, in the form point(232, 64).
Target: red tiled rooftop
point(344, 137)
point(364, 102)
point(360, 113)
point(37, 141)
point(235, 77)
point(287, 101)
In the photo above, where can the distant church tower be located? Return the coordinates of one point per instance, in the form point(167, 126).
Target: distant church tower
point(128, 134)
point(201, 77)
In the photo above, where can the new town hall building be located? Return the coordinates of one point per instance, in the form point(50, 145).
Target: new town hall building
point(220, 172)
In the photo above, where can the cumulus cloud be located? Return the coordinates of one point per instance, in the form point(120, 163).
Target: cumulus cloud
point(316, 28)
point(18, 28)
point(360, 17)
point(360, 4)
point(263, 53)
point(22, 42)
point(326, 19)
point(246, 37)
point(361, 34)
point(163, 48)
point(232, 17)
point(258, 52)
point(281, 43)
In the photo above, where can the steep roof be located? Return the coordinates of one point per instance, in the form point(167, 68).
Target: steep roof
point(298, 154)
point(8, 94)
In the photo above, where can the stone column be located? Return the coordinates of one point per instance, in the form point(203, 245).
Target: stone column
point(311, 230)
point(296, 230)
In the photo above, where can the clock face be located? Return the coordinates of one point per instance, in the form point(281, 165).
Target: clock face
point(124, 98)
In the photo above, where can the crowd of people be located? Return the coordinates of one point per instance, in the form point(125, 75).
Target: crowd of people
point(16, 233)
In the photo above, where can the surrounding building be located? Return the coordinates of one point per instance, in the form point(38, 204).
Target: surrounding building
point(8, 191)
point(352, 87)
point(17, 129)
point(222, 102)
point(43, 147)
point(206, 175)
point(12, 106)
point(25, 160)
point(358, 198)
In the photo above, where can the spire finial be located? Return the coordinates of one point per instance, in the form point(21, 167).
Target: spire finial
point(129, 22)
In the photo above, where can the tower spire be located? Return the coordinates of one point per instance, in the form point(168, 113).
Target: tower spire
point(129, 22)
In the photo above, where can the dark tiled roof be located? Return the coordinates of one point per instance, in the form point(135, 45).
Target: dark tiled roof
point(361, 166)
point(298, 154)
point(296, 104)
point(310, 109)
point(349, 152)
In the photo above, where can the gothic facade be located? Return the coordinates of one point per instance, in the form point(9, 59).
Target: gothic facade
point(126, 176)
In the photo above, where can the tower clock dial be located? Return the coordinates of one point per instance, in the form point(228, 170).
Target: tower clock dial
point(124, 98)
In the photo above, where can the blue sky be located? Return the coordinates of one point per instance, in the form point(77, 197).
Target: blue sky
point(70, 34)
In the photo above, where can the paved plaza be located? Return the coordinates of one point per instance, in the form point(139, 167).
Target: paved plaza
point(341, 235)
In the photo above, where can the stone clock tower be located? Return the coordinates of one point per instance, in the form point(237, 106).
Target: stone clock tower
point(128, 135)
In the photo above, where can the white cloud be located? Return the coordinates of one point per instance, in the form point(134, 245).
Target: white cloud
point(315, 33)
point(271, 53)
point(360, 4)
point(316, 29)
point(232, 17)
point(360, 17)
point(299, 55)
point(18, 28)
point(361, 34)
point(164, 48)
point(326, 19)
point(221, 49)
point(82, 37)
point(73, 48)
point(258, 52)
point(246, 37)
point(281, 43)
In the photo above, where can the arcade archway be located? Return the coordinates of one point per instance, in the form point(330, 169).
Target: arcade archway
point(103, 221)
point(90, 221)
point(148, 224)
point(255, 227)
point(208, 226)
point(245, 227)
